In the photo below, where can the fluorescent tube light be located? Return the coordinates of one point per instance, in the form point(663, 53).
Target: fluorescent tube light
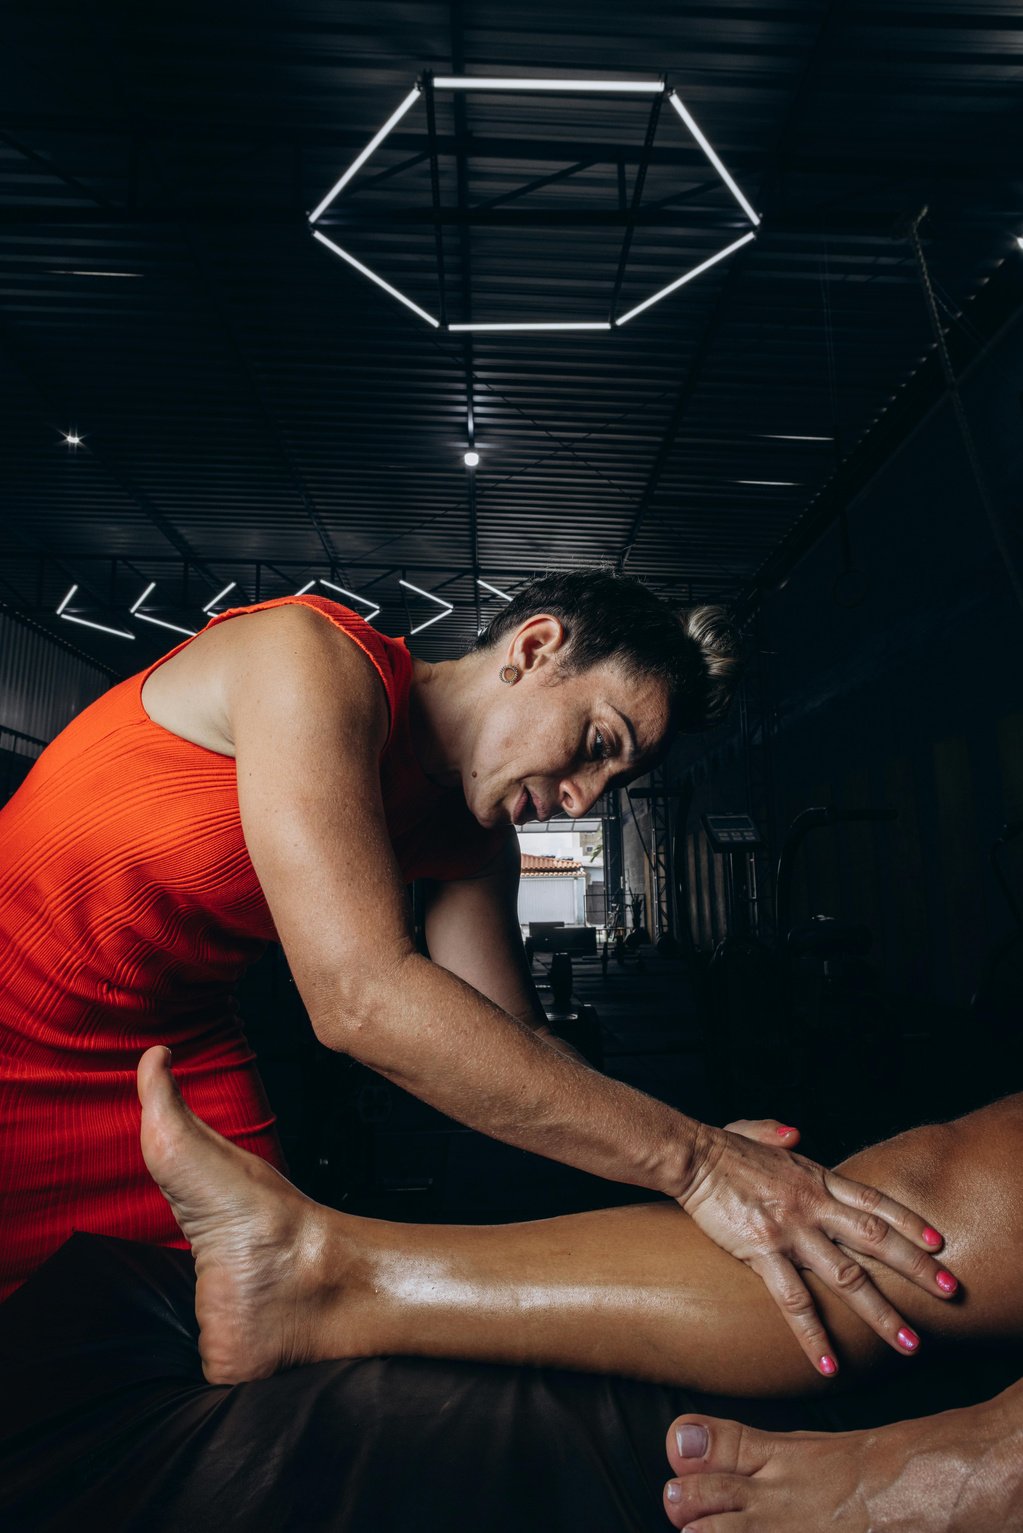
point(714, 159)
point(374, 278)
point(148, 591)
point(777, 483)
point(118, 633)
point(159, 623)
point(498, 82)
point(363, 601)
point(597, 324)
point(785, 436)
point(217, 598)
point(688, 277)
point(67, 598)
point(448, 606)
point(488, 587)
point(360, 160)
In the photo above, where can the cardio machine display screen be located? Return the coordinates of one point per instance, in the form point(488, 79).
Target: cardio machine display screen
point(731, 832)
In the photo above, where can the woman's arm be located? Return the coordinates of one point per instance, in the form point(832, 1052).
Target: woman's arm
point(472, 930)
point(308, 720)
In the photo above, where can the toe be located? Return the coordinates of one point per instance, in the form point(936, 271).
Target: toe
point(154, 1078)
point(698, 1496)
point(705, 1444)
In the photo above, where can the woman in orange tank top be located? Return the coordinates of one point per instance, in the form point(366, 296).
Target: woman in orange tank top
point(282, 776)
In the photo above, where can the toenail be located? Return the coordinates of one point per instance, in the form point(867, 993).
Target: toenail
point(908, 1339)
point(946, 1282)
point(674, 1491)
point(692, 1441)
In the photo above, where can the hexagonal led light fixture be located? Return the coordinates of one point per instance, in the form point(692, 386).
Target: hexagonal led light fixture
point(491, 83)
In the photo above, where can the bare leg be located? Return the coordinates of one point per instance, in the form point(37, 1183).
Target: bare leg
point(962, 1470)
point(636, 1290)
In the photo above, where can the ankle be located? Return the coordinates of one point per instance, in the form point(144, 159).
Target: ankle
point(347, 1258)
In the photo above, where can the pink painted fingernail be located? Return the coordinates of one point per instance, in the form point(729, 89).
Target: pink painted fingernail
point(908, 1339)
point(785, 1130)
point(932, 1237)
point(946, 1282)
point(827, 1365)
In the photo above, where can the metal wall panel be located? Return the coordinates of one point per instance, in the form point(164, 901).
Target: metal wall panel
point(42, 686)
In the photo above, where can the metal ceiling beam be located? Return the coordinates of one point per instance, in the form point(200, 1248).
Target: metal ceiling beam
point(794, 222)
point(465, 261)
point(997, 306)
point(18, 353)
point(1000, 163)
point(719, 313)
point(234, 563)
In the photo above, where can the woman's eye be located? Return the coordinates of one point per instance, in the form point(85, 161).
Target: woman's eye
point(599, 746)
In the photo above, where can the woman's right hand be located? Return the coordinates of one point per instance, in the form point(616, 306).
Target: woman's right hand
point(782, 1215)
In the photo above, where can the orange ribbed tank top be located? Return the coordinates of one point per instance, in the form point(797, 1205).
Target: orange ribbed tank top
point(128, 910)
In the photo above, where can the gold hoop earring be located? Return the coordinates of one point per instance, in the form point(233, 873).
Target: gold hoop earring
point(510, 674)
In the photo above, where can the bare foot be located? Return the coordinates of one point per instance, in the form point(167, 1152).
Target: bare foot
point(959, 1471)
point(268, 1260)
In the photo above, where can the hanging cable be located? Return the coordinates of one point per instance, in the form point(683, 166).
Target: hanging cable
point(994, 516)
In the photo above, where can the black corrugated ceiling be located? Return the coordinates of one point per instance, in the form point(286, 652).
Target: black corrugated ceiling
point(254, 410)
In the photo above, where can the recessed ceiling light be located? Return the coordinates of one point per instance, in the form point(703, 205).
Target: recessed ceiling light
point(471, 458)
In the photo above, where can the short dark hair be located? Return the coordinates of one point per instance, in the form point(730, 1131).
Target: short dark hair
point(695, 651)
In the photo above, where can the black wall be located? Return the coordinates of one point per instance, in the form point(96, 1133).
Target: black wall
point(910, 696)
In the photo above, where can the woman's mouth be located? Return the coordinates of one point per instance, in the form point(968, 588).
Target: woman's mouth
point(525, 809)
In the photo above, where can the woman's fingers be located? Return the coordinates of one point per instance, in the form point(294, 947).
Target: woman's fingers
point(765, 1131)
point(851, 1283)
point(793, 1298)
point(872, 1224)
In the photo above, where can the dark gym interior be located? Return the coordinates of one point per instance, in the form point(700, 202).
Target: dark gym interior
point(812, 912)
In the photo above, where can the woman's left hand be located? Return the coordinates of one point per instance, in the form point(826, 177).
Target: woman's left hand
point(782, 1214)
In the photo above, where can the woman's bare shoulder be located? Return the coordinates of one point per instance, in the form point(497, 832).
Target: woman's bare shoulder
point(288, 657)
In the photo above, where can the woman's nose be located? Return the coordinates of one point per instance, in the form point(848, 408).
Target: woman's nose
point(577, 797)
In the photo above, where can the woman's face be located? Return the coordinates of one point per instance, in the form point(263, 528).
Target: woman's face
point(550, 744)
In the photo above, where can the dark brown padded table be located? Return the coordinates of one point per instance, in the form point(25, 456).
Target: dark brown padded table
point(106, 1421)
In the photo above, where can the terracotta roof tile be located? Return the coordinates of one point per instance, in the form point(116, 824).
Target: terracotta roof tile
point(533, 867)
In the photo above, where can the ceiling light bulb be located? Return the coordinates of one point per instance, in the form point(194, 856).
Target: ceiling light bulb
point(72, 439)
point(471, 458)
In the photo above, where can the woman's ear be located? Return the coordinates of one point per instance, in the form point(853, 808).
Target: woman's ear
point(536, 642)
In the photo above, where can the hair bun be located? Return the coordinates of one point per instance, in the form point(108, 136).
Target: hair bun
point(713, 632)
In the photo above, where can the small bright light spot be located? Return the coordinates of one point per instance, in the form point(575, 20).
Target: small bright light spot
point(72, 439)
point(471, 459)
point(1019, 241)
